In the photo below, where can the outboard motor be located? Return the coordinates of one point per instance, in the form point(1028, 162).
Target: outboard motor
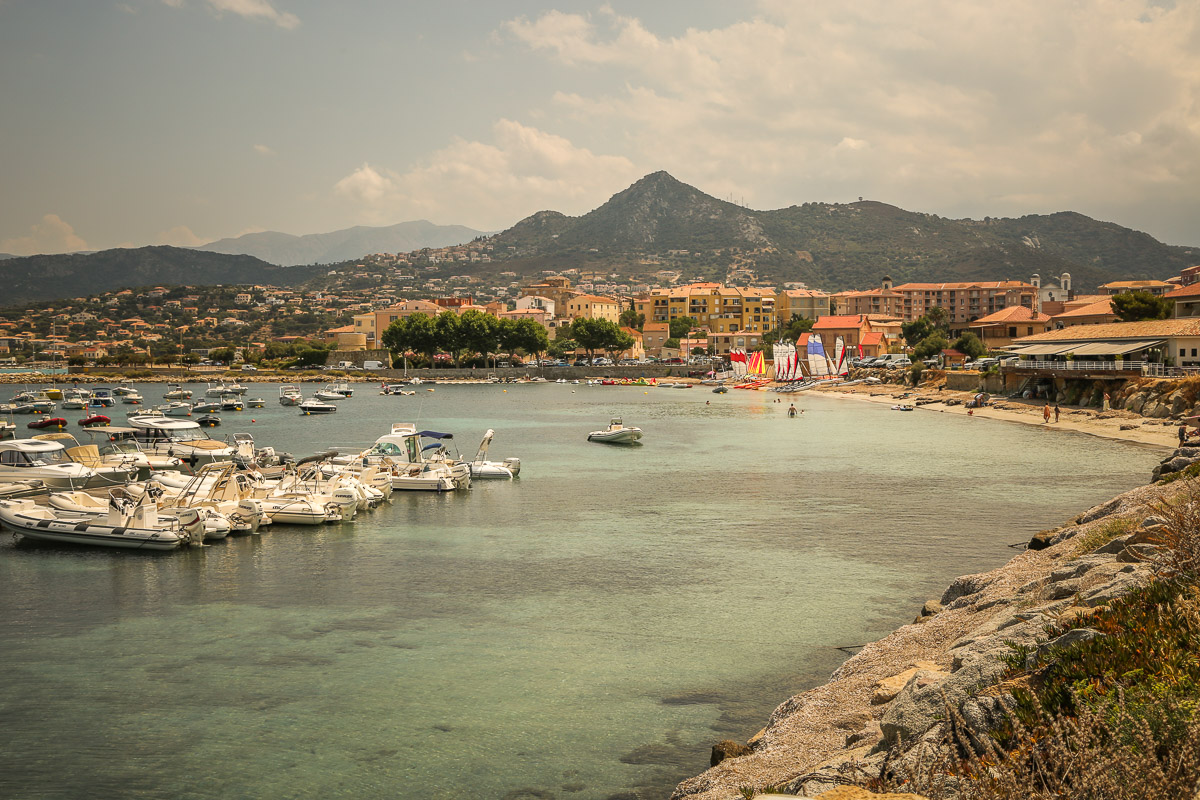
point(192, 526)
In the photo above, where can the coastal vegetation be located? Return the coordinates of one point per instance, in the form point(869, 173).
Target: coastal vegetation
point(475, 334)
point(1137, 306)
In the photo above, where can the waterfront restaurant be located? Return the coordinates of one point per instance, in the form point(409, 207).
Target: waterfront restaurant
point(1113, 350)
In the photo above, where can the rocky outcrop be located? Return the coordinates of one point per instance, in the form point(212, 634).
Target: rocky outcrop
point(884, 709)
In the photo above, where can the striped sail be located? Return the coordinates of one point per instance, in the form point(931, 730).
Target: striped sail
point(818, 362)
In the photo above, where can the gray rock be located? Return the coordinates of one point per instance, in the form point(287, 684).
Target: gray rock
point(1120, 585)
point(727, 749)
point(930, 608)
point(1114, 546)
point(964, 585)
point(1136, 553)
point(919, 706)
point(984, 714)
point(1076, 567)
point(869, 735)
point(1100, 511)
point(1071, 637)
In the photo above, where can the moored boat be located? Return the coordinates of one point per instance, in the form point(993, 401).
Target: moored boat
point(314, 405)
point(128, 524)
point(616, 433)
point(290, 395)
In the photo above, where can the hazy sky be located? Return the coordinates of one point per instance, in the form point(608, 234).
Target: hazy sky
point(183, 121)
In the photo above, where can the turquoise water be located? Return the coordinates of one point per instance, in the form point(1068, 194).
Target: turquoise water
point(585, 631)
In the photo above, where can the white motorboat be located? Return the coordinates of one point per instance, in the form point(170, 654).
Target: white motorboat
point(616, 433)
point(329, 395)
point(75, 398)
point(82, 504)
point(7, 429)
point(123, 390)
point(128, 524)
point(177, 392)
point(34, 459)
point(131, 398)
point(206, 407)
point(222, 388)
point(177, 408)
point(314, 405)
point(181, 438)
point(417, 467)
point(111, 468)
point(101, 398)
point(216, 487)
point(340, 387)
point(290, 395)
point(482, 468)
point(231, 402)
point(118, 444)
point(256, 402)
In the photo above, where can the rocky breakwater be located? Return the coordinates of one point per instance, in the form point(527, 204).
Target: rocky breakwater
point(883, 712)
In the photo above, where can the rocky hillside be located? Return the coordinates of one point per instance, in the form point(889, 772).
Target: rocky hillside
point(49, 277)
point(647, 226)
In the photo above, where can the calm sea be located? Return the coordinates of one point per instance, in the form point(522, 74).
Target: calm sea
point(587, 631)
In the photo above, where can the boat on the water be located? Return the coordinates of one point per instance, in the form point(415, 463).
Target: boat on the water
point(180, 438)
point(48, 422)
point(417, 466)
point(75, 398)
point(329, 395)
point(509, 468)
point(315, 405)
point(46, 461)
point(208, 421)
point(616, 433)
point(177, 392)
point(256, 402)
point(177, 408)
point(130, 524)
point(206, 407)
point(290, 395)
point(94, 421)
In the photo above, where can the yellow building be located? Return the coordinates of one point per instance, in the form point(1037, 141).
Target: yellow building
point(718, 309)
point(806, 303)
point(374, 323)
point(591, 306)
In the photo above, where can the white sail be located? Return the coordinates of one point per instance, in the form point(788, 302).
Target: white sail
point(839, 357)
point(818, 362)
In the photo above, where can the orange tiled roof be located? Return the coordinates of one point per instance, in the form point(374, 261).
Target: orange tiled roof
point(1012, 314)
point(1191, 290)
point(839, 321)
point(966, 285)
point(1098, 308)
point(1118, 330)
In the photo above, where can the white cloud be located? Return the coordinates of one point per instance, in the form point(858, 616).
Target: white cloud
point(934, 104)
point(51, 235)
point(256, 9)
point(248, 9)
point(263, 150)
point(180, 236)
point(490, 184)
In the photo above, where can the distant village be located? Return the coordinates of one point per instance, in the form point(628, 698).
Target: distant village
point(186, 323)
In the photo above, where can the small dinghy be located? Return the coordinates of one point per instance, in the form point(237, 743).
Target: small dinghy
point(616, 433)
point(507, 469)
point(209, 421)
point(48, 422)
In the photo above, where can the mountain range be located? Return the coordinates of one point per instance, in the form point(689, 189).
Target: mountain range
point(285, 249)
point(831, 245)
point(50, 277)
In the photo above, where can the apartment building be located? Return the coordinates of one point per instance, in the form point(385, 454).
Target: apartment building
point(717, 308)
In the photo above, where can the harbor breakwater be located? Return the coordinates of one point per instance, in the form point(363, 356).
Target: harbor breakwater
point(882, 714)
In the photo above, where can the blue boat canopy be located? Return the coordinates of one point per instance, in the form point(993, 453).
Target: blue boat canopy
point(435, 435)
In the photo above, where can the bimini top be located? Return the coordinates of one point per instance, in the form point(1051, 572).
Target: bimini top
point(163, 423)
point(435, 435)
point(31, 445)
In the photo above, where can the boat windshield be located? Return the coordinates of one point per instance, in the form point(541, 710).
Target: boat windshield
point(386, 449)
point(48, 458)
point(121, 446)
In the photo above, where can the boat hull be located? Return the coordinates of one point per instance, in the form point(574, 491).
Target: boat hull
point(45, 528)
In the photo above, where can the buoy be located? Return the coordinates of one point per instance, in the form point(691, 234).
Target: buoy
point(505, 391)
point(254, 420)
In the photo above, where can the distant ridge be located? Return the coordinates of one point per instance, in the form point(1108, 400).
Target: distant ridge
point(345, 245)
point(51, 277)
point(828, 245)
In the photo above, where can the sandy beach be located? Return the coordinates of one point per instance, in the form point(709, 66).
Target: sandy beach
point(1123, 425)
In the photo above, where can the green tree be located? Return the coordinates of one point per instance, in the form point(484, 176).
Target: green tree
point(560, 347)
point(672, 343)
point(447, 327)
point(478, 333)
point(680, 327)
point(414, 333)
point(223, 355)
point(970, 345)
point(618, 343)
point(916, 331)
point(632, 319)
point(931, 345)
point(938, 318)
point(531, 337)
point(789, 332)
point(1138, 306)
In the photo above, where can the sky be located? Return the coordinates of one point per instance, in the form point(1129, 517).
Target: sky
point(184, 121)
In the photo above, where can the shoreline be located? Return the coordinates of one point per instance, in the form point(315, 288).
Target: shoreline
point(883, 706)
point(1120, 425)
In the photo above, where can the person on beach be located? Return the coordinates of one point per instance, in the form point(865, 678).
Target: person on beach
point(1056, 412)
point(1046, 413)
point(1106, 399)
point(792, 410)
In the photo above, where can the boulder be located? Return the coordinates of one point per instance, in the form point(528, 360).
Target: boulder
point(1100, 511)
point(922, 701)
point(887, 689)
point(964, 585)
point(1071, 637)
point(727, 749)
point(930, 608)
point(1135, 553)
point(1179, 403)
point(1040, 541)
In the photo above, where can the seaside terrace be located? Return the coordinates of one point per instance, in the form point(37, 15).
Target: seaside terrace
point(1113, 350)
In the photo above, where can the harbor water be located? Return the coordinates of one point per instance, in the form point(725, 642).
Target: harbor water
point(586, 631)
